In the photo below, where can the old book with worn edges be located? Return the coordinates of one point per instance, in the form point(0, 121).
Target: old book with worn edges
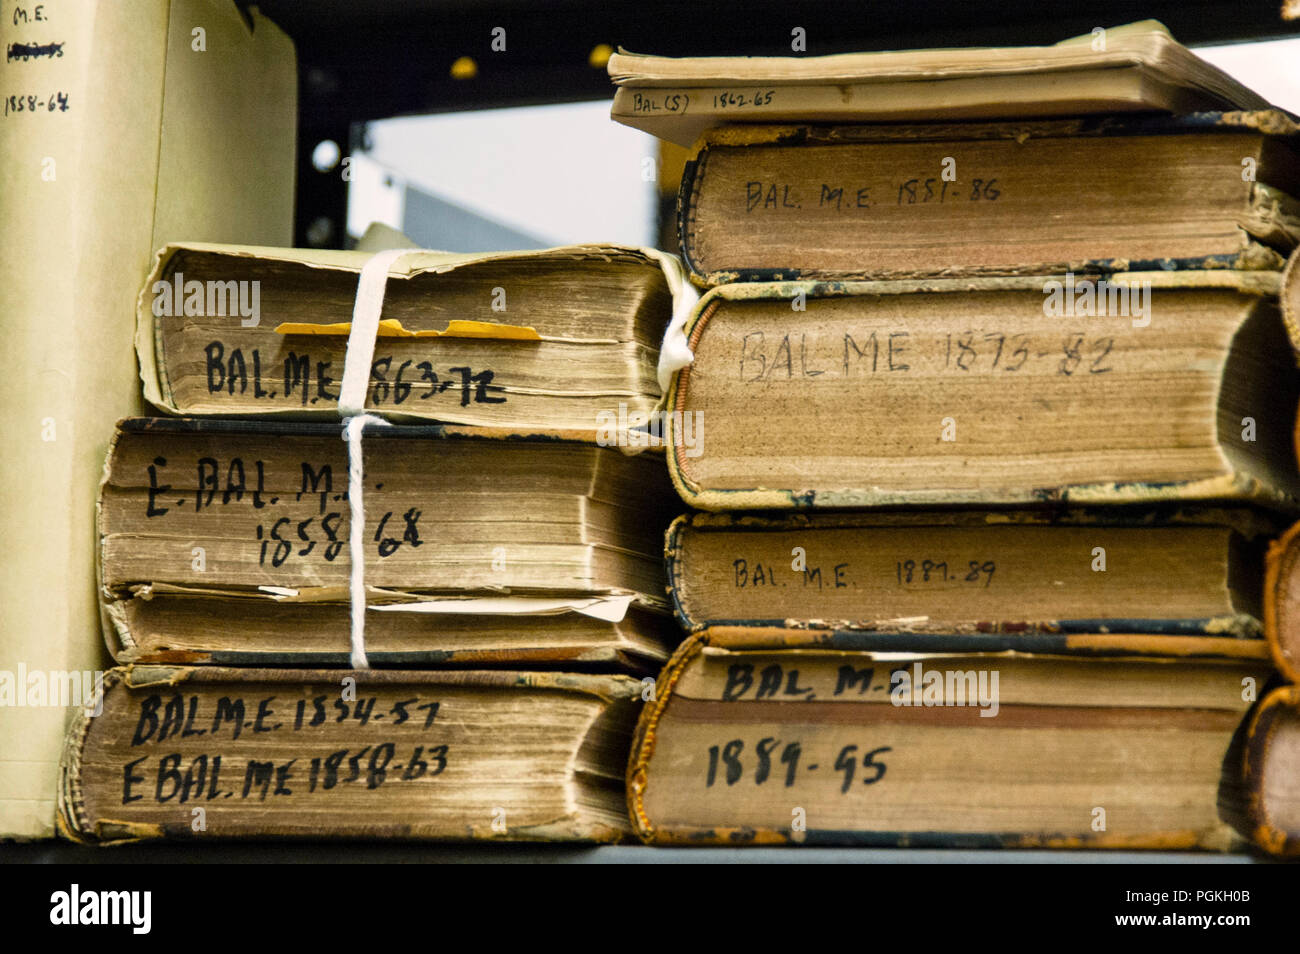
point(1210, 190)
point(1282, 602)
point(1149, 388)
point(1082, 580)
point(1273, 747)
point(746, 743)
point(1272, 772)
point(216, 753)
point(1137, 67)
point(120, 134)
point(226, 541)
point(549, 340)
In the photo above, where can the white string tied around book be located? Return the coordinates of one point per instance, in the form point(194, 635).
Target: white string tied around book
point(357, 360)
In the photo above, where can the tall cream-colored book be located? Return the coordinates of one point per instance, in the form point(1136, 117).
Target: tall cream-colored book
point(125, 124)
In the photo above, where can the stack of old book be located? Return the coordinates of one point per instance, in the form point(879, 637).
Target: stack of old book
point(486, 681)
point(999, 408)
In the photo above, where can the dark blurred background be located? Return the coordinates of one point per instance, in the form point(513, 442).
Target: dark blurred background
point(516, 179)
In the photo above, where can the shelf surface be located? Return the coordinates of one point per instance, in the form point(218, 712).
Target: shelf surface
point(378, 853)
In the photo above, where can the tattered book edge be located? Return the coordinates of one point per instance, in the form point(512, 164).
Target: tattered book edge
point(148, 346)
point(73, 822)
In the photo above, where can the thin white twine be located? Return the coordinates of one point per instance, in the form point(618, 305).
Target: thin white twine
point(357, 359)
point(675, 352)
point(352, 428)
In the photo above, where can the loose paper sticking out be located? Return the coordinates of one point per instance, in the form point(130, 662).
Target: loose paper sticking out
point(611, 609)
point(392, 328)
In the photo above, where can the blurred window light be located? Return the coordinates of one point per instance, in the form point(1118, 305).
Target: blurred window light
point(508, 178)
